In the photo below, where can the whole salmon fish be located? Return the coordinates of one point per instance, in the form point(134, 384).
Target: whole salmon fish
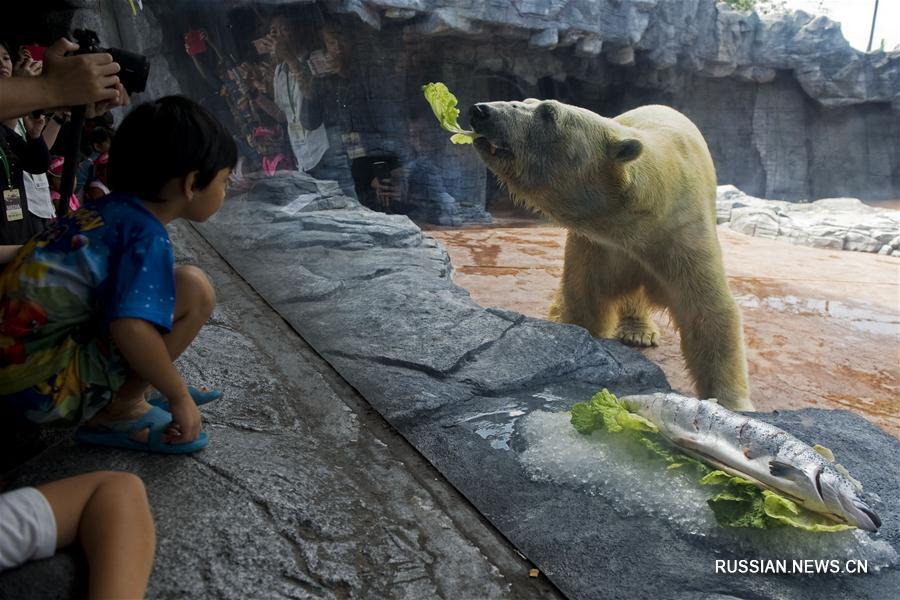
point(762, 453)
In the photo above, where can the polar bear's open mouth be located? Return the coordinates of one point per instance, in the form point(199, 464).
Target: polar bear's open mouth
point(484, 144)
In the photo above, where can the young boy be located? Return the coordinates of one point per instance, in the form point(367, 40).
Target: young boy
point(93, 310)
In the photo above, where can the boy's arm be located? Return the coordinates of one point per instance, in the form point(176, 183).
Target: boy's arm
point(145, 350)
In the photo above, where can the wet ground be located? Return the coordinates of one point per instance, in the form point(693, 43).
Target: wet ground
point(822, 327)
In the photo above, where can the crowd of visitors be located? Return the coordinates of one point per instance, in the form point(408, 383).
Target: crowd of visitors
point(93, 310)
point(31, 148)
point(282, 99)
point(283, 83)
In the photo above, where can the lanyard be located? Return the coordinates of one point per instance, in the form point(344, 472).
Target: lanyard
point(290, 91)
point(5, 162)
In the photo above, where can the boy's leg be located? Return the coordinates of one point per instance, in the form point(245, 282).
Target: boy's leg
point(195, 299)
point(109, 513)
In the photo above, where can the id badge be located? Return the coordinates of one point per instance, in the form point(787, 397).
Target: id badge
point(353, 146)
point(13, 202)
point(296, 130)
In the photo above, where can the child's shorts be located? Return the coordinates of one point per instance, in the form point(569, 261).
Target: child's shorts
point(93, 372)
point(27, 527)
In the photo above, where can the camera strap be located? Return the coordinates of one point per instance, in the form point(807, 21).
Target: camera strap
point(70, 163)
point(5, 161)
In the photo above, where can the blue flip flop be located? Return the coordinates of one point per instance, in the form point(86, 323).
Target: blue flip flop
point(118, 434)
point(200, 397)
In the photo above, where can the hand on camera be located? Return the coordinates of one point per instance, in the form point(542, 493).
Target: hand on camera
point(81, 79)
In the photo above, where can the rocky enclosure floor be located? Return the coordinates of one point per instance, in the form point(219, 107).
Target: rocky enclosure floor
point(822, 326)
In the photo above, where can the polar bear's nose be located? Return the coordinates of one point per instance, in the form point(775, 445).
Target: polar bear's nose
point(479, 112)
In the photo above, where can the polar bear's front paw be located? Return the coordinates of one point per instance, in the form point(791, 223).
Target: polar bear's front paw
point(637, 332)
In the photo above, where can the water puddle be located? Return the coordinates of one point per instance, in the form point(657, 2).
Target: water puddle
point(495, 426)
point(498, 426)
point(861, 318)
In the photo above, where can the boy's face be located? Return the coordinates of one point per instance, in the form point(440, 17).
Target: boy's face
point(206, 202)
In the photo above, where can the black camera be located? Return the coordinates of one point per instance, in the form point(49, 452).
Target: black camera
point(135, 67)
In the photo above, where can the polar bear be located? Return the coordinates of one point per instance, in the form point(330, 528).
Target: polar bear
point(637, 196)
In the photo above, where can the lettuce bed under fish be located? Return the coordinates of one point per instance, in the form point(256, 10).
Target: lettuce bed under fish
point(737, 502)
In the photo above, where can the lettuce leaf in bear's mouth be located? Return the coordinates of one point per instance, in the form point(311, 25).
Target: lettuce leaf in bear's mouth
point(737, 501)
point(443, 104)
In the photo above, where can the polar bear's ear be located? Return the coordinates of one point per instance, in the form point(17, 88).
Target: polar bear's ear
point(627, 150)
point(548, 112)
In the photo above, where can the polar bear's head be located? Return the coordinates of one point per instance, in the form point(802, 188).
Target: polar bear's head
point(546, 151)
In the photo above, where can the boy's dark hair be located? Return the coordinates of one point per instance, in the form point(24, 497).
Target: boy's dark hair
point(166, 139)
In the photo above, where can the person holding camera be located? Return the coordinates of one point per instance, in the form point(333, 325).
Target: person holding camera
point(37, 186)
point(18, 156)
point(85, 79)
point(89, 79)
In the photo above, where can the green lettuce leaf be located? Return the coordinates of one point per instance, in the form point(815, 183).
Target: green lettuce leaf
point(738, 503)
point(675, 459)
point(615, 416)
point(584, 419)
point(443, 103)
point(786, 511)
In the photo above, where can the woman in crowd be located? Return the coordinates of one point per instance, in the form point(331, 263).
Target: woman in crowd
point(297, 110)
point(38, 194)
point(18, 156)
point(317, 151)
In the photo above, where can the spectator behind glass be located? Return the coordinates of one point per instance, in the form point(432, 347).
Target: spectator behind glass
point(291, 84)
point(330, 89)
point(268, 136)
point(17, 156)
point(232, 85)
point(417, 187)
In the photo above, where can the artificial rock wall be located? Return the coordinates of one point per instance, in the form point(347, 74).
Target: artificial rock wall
point(789, 109)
